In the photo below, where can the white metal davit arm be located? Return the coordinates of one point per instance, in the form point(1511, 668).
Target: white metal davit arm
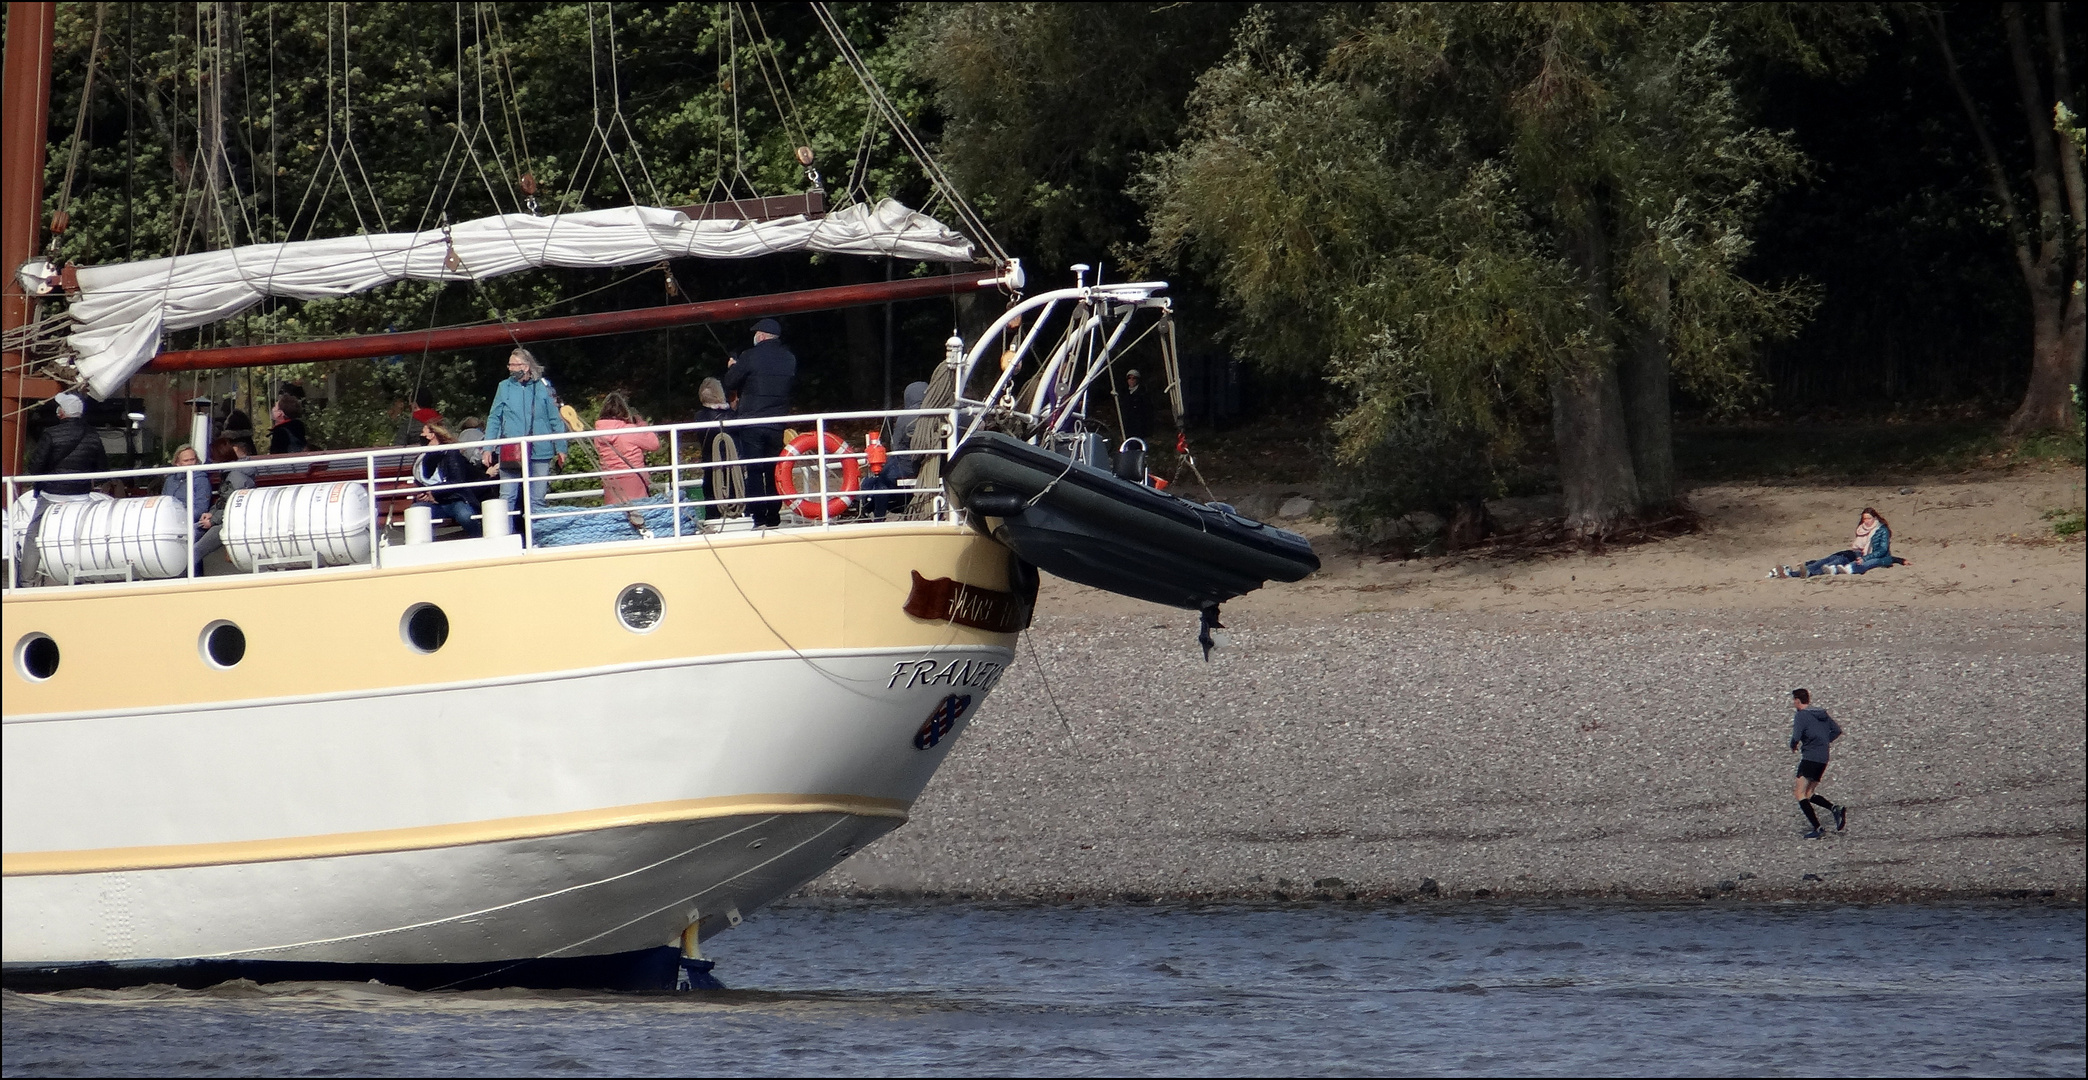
point(1136, 293)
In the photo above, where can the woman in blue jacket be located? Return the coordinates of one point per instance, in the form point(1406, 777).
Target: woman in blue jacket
point(525, 405)
point(1871, 548)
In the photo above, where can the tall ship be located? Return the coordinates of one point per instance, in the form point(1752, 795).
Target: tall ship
point(570, 747)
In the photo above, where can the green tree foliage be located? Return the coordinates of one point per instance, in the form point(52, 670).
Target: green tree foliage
point(1049, 108)
point(1470, 212)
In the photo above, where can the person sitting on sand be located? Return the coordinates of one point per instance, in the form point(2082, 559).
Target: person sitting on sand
point(1870, 549)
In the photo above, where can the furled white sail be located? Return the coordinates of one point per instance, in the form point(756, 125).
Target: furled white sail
point(121, 311)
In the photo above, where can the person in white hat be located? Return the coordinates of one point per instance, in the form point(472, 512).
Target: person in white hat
point(68, 446)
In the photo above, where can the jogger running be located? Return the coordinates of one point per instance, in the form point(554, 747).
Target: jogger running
point(1811, 732)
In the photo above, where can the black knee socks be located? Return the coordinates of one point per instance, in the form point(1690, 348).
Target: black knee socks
point(1821, 801)
point(1809, 815)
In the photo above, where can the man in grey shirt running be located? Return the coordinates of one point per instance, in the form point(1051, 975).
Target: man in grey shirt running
point(1811, 731)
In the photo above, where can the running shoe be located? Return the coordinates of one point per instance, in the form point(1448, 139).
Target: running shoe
point(1841, 818)
point(1816, 834)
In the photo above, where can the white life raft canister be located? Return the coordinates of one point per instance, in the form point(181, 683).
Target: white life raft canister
point(331, 521)
point(100, 535)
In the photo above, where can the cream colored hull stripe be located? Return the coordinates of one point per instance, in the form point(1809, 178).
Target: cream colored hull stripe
point(807, 655)
point(423, 837)
point(664, 545)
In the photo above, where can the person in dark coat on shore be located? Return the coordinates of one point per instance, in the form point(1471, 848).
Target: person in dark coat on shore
point(1811, 732)
point(761, 378)
point(68, 446)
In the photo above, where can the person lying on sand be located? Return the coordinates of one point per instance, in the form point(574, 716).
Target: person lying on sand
point(1870, 549)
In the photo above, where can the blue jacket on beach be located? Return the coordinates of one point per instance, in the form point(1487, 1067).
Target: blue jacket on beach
point(1813, 729)
point(526, 408)
point(1880, 553)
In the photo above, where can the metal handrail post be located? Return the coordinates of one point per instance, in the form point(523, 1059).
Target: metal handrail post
point(949, 451)
point(819, 438)
point(674, 474)
point(190, 506)
point(370, 471)
point(522, 497)
point(16, 547)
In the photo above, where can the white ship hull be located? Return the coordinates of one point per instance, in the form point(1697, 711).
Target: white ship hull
point(586, 811)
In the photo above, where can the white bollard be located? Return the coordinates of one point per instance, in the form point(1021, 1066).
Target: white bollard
point(420, 524)
point(493, 514)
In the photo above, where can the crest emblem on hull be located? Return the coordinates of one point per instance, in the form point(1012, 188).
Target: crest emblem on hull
point(947, 712)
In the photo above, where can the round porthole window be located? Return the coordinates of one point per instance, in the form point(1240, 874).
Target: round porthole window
point(424, 627)
point(223, 644)
point(639, 608)
point(36, 657)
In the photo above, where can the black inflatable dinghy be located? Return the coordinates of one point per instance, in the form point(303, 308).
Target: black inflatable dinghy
point(1086, 524)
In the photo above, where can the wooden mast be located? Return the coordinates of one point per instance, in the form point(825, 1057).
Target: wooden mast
point(25, 104)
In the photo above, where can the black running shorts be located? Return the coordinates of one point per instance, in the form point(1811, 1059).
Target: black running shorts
point(1812, 770)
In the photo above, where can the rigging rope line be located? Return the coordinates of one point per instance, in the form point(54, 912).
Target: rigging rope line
point(616, 105)
point(764, 58)
point(941, 180)
point(348, 125)
point(220, 156)
point(510, 106)
point(60, 219)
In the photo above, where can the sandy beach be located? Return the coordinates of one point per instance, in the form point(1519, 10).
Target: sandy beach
point(1588, 725)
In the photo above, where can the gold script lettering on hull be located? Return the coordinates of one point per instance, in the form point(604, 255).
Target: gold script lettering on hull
point(949, 600)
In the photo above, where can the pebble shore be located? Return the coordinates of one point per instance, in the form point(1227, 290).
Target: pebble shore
point(1460, 755)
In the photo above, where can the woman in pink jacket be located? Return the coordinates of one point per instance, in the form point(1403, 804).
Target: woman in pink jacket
point(623, 456)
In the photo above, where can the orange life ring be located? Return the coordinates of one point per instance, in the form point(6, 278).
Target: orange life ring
point(837, 449)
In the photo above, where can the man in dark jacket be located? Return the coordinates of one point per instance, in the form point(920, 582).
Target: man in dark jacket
point(760, 378)
point(1138, 409)
point(1811, 732)
point(68, 446)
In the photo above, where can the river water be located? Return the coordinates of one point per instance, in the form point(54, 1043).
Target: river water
point(970, 989)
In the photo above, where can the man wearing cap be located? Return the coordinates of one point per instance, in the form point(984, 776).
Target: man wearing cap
point(761, 378)
point(68, 446)
point(1138, 411)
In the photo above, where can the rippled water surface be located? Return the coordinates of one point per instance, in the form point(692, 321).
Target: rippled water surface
point(967, 989)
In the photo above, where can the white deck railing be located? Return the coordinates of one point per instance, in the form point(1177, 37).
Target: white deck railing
point(393, 474)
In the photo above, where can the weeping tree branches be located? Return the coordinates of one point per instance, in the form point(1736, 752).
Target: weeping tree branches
point(1471, 213)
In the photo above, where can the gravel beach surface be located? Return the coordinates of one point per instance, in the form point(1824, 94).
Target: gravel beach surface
point(1466, 754)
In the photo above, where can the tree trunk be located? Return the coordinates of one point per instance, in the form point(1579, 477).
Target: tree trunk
point(1648, 410)
point(1594, 450)
point(1588, 425)
point(2048, 401)
point(2056, 313)
point(2055, 366)
point(2042, 252)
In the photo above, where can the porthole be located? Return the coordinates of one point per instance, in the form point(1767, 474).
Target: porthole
point(639, 608)
point(223, 644)
point(424, 628)
point(36, 657)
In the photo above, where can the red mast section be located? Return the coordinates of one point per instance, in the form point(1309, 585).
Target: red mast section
point(25, 104)
point(579, 326)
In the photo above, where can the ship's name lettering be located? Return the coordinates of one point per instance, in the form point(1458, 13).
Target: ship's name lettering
point(979, 674)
